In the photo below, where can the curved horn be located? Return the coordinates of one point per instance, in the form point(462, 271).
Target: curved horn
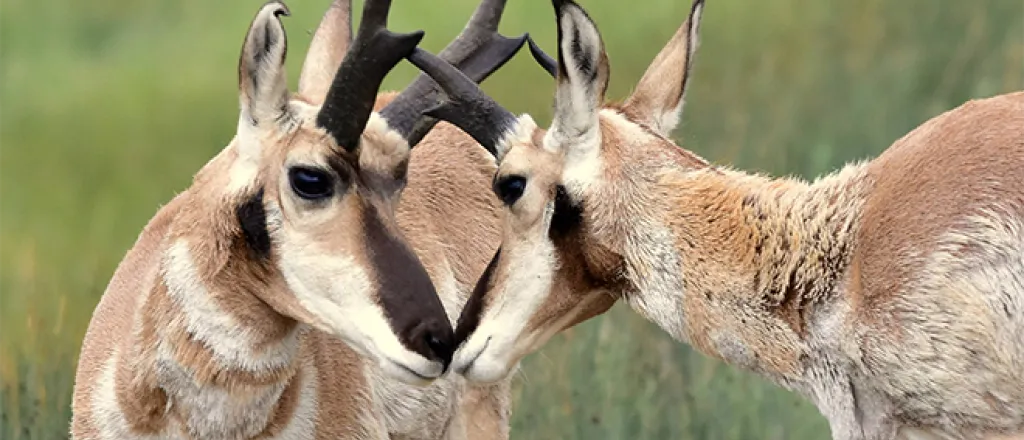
point(478, 51)
point(328, 47)
point(542, 58)
point(374, 52)
point(467, 107)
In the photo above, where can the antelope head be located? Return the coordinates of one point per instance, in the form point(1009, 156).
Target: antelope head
point(316, 176)
point(574, 194)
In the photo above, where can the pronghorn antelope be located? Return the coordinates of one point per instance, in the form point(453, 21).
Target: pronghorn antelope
point(890, 293)
point(227, 318)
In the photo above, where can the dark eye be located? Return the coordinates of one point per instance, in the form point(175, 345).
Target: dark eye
point(311, 183)
point(510, 188)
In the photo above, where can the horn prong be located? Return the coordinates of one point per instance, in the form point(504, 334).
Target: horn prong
point(467, 107)
point(373, 53)
point(546, 61)
point(478, 51)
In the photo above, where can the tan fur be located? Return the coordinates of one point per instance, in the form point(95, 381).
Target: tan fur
point(653, 95)
point(890, 293)
point(444, 219)
point(302, 381)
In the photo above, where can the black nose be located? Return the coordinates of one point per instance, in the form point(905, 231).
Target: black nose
point(406, 292)
point(435, 340)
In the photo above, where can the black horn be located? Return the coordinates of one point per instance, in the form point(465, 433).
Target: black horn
point(478, 51)
point(467, 107)
point(373, 53)
point(543, 58)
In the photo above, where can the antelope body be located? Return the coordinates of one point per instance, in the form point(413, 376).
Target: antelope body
point(890, 293)
point(286, 294)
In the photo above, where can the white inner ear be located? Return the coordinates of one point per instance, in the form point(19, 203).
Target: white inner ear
point(577, 99)
point(265, 91)
point(247, 138)
point(695, 28)
point(669, 120)
point(577, 28)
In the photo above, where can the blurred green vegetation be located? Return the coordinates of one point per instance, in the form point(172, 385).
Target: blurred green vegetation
point(109, 106)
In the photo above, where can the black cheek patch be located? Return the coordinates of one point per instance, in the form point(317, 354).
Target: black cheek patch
point(252, 218)
point(568, 215)
point(469, 319)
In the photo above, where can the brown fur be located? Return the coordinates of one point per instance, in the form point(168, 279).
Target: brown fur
point(447, 216)
point(326, 51)
point(942, 160)
point(107, 334)
point(890, 293)
point(444, 222)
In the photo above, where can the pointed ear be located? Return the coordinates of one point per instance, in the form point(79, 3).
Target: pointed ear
point(658, 99)
point(582, 74)
point(330, 42)
point(262, 86)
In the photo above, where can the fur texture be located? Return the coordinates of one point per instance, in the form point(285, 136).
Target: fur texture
point(890, 293)
point(223, 321)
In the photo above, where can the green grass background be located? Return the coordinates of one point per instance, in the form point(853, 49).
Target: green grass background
point(109, 106)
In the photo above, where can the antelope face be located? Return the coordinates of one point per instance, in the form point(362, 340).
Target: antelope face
point(331, 229)
point(573, 194)
point(540, 281)
point(317, 177)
